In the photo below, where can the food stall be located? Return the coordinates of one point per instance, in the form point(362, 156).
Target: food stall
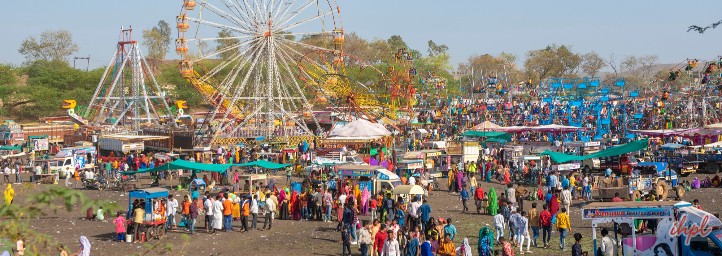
point(682, 229)
point(408, 191)
point(153, 224)
point(251, 180)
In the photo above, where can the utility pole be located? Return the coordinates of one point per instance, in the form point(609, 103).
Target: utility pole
point(87, 59)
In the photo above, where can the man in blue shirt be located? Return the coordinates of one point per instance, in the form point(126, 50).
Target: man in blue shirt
point(426, 247)
point(464, 196)
point(425, 210)
point(608, 172)
point(450, 229)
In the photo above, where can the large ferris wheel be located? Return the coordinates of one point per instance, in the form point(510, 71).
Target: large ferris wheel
point(243, 56)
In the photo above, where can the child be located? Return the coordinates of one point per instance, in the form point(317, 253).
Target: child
point(120, 226)
point(577, 247)
point(346, 241)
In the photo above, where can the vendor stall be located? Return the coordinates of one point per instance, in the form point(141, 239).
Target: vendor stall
point(153, 222)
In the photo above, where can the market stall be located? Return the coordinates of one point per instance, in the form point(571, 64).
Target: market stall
point(153, 223)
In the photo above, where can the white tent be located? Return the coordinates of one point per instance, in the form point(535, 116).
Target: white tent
point(359, 128)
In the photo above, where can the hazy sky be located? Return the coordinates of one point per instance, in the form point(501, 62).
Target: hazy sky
point(622, 27)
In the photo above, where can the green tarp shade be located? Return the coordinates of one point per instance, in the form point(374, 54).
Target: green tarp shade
point(613, 151)
point(264, 164)
point(185, 165)
point(34, 137)
point(488, 135)
point(497, 140)
point(11, 147)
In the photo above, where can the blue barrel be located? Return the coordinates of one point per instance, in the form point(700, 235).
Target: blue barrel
point(296, 186)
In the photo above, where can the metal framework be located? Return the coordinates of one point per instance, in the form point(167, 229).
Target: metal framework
point(250, 76)
point(128, 94)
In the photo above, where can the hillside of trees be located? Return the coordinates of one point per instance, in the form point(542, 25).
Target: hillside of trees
point(37, 87)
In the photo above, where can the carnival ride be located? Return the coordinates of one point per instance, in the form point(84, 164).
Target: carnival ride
point(250, 78)
point(127, 95)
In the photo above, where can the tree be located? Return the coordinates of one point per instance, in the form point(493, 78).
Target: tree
point(157, 40)
point(436, 49)
point(225, 44)
point(52, 45)
point(396, 43)
point(552, 61)
point(592, 63)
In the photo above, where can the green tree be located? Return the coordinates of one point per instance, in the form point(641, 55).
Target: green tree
point(157, 40)
point(51, 45)
point(436, 49)
point(592, 63)
point(225, 43)
point(552, 61)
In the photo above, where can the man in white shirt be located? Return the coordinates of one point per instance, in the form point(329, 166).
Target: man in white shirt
point(171, 211)
point(391, 246)
point(254, 211)
point(609, 245)
point(342, 200)
point(270, 209)
point(414, 212)
point(412, 180)
point(499, 225)
point(208, 207)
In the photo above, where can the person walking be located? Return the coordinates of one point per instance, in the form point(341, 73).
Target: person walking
point(364, 238)
point(245, 212)
point(577, 247)
point(499, 225)
point(566, 198)
point(254, 211)
point(533, 217)
point(345, 241)
point(564, 226)
point(522, 233)
point(9, 194)
point(208, 208)
point(425, 210)
point(192, 216)
point(218, 214)
point(120, 223)
point(545, 221)
point(270, 210)
point(609, 244)
point(463, 197)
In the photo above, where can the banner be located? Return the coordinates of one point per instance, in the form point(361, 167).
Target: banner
point(40, 144)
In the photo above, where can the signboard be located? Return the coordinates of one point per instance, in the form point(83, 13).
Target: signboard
point(356, 173)
point(652, 212)
point(40, 144)
point(566, 167)
point(414, 165)
point(136, 146)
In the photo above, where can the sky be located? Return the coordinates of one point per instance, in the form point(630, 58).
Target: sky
point(467, 27)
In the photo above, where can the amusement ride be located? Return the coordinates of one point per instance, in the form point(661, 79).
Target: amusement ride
point(252, 78)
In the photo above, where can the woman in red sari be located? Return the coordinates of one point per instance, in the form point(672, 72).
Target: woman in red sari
point(294, 205)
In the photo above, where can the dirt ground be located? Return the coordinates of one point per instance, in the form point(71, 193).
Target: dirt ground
point(299, 237)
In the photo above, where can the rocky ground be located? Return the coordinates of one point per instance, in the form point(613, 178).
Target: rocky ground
point(298, 237)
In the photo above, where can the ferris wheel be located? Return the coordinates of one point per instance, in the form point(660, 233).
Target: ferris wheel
point(242, 56)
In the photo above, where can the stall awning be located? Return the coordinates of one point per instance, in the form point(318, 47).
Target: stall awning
point(185, 165)
point(613, 151)
point(264, 164)
point(408, 190)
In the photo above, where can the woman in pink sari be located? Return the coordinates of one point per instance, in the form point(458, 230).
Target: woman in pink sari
point(365, 195)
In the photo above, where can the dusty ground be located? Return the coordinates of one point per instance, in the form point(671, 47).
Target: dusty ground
point(299, 237)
